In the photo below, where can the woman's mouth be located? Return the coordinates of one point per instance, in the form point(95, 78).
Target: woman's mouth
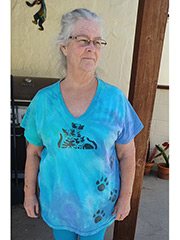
point(89, 58)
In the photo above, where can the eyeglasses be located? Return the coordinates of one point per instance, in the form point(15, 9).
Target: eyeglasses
point(85, 41)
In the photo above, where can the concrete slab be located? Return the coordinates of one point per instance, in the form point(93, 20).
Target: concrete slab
point(153, 220)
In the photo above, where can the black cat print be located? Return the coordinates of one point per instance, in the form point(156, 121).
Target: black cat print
point(72, 138)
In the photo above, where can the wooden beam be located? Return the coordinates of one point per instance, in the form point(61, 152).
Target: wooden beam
point(150, 30)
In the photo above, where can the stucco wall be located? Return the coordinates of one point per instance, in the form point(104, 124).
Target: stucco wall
point(35, 54)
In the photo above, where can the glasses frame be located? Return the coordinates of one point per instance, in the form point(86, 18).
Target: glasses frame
point(89, 41)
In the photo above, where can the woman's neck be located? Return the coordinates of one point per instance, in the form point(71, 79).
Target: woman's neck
point(80, 80)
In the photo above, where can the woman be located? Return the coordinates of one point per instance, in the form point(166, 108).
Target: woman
point(78, 129)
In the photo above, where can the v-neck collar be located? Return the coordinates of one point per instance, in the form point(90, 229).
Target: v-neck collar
point(66, 110)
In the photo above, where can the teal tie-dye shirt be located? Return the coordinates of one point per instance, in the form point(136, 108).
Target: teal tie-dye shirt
point(79, 175)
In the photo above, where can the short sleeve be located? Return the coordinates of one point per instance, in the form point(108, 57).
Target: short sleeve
point(131, 124)
point(30, 123)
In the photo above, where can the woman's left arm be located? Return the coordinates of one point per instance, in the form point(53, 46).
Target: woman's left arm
point(126, 157)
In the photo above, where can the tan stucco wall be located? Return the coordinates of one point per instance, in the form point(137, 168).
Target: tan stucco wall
point(34, 53)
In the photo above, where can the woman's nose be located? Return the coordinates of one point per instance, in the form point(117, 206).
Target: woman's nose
point(91, 46)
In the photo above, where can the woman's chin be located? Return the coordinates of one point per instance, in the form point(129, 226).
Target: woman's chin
point(88, 67)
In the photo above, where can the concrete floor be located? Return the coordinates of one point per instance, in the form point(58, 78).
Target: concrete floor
point(152, 221)
point(153, 217)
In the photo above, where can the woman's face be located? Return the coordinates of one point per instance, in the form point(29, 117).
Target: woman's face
point(83, 58)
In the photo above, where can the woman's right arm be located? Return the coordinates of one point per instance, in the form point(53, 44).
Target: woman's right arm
point(33, 158)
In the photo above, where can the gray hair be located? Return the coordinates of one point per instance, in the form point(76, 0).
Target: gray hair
point(68, 22)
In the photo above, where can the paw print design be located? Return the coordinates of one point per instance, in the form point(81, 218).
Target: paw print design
point(112, 161)
point(98, 216)
point(113, 195)
point(102, 184)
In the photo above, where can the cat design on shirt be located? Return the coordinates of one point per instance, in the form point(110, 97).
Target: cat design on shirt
point(72, 138)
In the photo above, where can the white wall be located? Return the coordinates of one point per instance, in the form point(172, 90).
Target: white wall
point(164, 68)
point(160, 121)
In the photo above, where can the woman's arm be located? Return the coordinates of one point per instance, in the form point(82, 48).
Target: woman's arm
point(33, 158)
point(126, 157)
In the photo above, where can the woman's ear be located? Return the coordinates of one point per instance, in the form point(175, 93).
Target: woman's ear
point(64, 50)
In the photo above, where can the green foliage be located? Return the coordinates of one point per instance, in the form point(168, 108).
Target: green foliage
point(163, 153)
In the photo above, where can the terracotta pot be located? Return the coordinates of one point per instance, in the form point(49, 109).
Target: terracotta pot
point(148, 167)
point(163, 171)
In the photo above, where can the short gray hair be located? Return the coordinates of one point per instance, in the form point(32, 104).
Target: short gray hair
point(68, 22)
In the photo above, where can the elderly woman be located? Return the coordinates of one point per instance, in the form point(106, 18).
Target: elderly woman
point(80, 132)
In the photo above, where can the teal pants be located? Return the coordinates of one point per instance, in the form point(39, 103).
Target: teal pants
point(67, 235)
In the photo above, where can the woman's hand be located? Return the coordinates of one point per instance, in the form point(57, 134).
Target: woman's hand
point(126, 157)
point(122, 209)
point(31, 205)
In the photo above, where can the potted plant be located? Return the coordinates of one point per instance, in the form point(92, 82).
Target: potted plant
point(149, 159)
point(163, 167)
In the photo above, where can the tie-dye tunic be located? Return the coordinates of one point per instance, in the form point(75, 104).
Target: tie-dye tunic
point(79, 175)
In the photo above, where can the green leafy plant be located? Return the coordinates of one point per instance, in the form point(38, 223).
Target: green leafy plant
point(163, 153)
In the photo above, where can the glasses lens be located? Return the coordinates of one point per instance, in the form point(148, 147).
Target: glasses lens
point(103, 43)
point(99, 43)
point(83, 41)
